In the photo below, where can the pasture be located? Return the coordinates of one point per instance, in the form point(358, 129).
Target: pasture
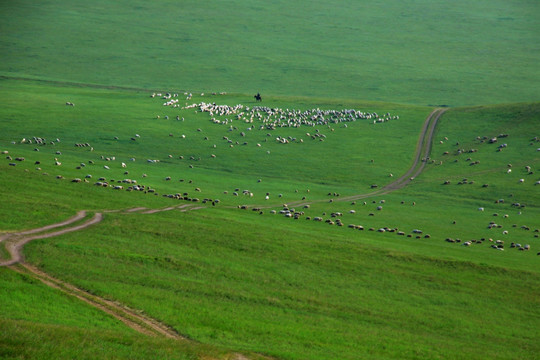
point(420, 52)
point(223, 276)
point(284, 228)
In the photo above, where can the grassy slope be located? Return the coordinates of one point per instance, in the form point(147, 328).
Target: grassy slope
point(309, 290)
point(24, 298)
point(38, 322)
point(438, 53)
point(34, 340)
point(305, 291)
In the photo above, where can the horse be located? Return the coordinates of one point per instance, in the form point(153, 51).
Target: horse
point(258, 97)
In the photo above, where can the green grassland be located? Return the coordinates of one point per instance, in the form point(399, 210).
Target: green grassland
point(37, 322)
point(437, 53)
point(303, 292)
point(283, 287)
point(258, 283)
point(26, 299)
point(33, 340)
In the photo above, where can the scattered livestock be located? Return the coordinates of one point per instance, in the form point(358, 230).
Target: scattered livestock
point(335, 217)
point(290, 212)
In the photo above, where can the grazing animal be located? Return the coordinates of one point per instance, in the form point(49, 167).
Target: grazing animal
point(258, 97)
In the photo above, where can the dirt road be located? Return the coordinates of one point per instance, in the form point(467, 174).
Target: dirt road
point(423, 149)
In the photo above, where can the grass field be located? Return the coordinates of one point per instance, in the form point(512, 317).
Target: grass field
point(240, 283)
point(224, 276)
point(437, 53)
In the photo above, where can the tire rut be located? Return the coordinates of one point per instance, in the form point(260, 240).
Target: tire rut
point(15, 246)
point(129, 317)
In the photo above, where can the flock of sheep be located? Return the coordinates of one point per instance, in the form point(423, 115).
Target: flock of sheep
point(335, 218)
point(272, 118)
point(265, 118)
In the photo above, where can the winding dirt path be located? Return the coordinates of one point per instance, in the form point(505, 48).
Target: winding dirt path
point(422, 151)
point(16, 241)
